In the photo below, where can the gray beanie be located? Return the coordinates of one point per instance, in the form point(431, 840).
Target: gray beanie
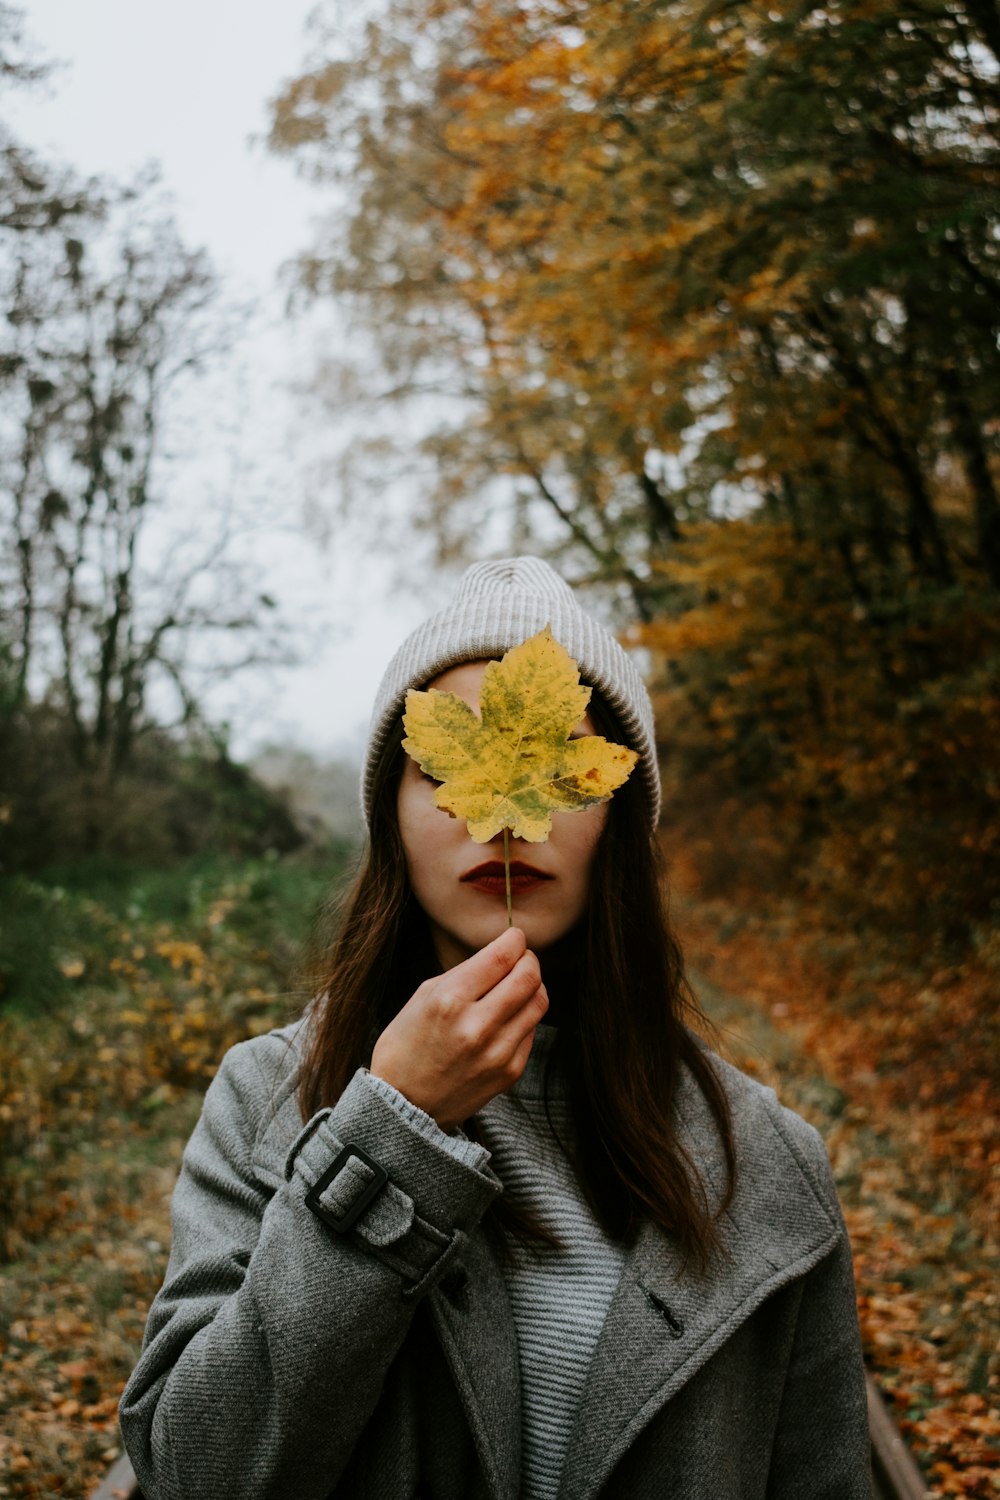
point(499, 605)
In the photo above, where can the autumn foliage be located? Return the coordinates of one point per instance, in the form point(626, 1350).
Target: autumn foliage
point(840, 751)
point(678, 260)
point(832, 817)
point(706, 300)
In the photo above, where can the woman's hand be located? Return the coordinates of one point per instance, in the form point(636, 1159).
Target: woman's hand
point(465, 1035)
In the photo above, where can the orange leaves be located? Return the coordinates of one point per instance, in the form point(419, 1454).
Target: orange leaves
point(182, 954)
point(529, 159)
point(912, 1130)
point(674, 223)
point(61, 1374)
point(840, 762)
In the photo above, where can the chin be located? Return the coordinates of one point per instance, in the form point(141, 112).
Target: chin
point(540, 934)
point(476, 933)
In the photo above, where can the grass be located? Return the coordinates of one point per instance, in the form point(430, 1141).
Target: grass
point(62, 928)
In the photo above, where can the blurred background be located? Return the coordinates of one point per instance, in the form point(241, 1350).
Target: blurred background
point(302, 312)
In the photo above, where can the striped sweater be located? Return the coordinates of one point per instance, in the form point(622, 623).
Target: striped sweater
point(559, 1298)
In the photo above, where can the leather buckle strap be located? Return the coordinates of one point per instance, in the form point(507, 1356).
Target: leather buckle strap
point(359, 1201)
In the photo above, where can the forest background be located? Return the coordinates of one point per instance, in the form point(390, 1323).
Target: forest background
point(701, 301)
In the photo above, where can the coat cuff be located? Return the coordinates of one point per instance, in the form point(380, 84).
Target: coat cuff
point(457, 1144)
point(406, 1198)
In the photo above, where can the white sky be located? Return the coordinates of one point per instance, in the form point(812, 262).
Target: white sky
point(188, 84)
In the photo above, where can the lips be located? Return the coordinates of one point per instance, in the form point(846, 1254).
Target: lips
point(489, 877)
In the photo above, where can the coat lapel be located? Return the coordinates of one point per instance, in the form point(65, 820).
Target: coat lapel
point(475, 1326)
point(665, 1320)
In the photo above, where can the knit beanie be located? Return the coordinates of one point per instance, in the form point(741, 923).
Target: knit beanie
point(499, 605)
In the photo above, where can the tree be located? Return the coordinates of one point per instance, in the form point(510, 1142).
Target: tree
point(716, 288)
point(108, 326)
point(682, 259)
point(827, 751)
point(107, 591)
point(33, 196)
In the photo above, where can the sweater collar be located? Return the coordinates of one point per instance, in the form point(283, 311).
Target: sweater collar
point(532, 1082)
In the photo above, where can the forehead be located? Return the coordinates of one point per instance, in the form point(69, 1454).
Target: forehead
point(465, 680)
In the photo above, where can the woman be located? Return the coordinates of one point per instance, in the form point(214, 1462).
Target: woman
point(491, 1222)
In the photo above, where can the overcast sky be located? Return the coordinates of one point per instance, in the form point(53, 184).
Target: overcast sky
point(187, 85)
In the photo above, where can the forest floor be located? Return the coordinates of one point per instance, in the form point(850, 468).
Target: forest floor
point(98, 1096)
point(898, 1072)
point(98, 1093)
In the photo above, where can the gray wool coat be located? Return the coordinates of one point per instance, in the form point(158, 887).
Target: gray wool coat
point(288, 1359)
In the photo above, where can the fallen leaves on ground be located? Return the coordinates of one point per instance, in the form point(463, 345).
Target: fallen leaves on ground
point(96, 1103)
point(898, 1070)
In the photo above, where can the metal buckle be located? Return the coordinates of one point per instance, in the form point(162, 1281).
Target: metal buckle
point(343, 1222)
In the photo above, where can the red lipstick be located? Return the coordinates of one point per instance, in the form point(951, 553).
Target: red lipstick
point(489, 877)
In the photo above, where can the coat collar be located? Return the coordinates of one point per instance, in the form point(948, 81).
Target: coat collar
point(665, 1320)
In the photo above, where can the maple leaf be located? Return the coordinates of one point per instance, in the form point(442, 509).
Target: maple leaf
point(514, 764)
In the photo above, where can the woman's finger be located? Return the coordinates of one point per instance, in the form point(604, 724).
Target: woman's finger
point(506, 999)
point(512, 1043)
point(478, 975)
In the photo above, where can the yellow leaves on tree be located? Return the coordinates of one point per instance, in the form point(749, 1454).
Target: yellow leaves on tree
point(634, 241)
point(510, 767)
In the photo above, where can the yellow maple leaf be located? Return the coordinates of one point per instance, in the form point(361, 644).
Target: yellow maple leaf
point(514, 764)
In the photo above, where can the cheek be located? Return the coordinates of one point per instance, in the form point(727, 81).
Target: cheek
point(589, 826)
point(413, 826)
point(579, 836)
point(427, 832)
point(406, 815)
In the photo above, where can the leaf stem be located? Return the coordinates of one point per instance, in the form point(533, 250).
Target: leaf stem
point(506, 871)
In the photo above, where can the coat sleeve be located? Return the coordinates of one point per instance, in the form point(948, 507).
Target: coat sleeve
point(268, 1344)
point(822, 1447)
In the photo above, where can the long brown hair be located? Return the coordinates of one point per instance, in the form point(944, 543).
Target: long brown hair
point(623, 1042)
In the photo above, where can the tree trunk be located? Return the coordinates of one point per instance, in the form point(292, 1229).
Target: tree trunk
point(857, 585)
point(25, 541)
point(26, 570)
point(878, 532)
point(790, 495)
point(108, 667)
point(974, 458)
point(924, 537)
point(662, 523)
